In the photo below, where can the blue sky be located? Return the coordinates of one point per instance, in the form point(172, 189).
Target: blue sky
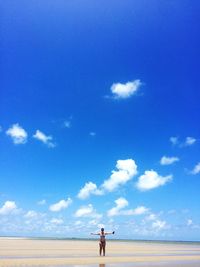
point(99, 105)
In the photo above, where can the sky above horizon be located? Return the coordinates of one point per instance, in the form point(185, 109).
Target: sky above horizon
point(99, 118)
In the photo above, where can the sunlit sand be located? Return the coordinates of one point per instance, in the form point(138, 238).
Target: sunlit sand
point(27, 252)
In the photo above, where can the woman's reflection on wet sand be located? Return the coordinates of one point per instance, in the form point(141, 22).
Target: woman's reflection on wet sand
point(102, 265)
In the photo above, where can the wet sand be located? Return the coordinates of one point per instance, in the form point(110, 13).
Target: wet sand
point(28, 252)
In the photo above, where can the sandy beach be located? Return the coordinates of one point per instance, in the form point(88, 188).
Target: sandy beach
point(30, 252)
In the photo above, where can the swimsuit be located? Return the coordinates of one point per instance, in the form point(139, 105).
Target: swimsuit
point(102, 240)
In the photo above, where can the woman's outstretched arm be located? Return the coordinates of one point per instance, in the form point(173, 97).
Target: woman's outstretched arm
point(110, 233)
point(94, 233)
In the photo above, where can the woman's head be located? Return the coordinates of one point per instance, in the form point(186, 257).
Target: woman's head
point(102, 229)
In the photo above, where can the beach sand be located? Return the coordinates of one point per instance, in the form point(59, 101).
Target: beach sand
point(30, 252)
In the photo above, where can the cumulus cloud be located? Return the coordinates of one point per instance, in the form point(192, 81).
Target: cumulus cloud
point(31, 214)
point(9, 207)
point(174, 140)
point(62, 204)
point(196, 169)
point(189, 141)
point(121, 203)
point(137, 211)
point(122, 91)
point(151, 179)
point(126, 170)
point(159, 225)
point(87, 211)
point(78, 223)
point(47, 140)
point(168, 160)
point(151, 217)
point(18, 134)
point(89, 189)
point(149, 229)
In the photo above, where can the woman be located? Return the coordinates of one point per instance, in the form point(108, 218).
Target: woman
point(102, 240)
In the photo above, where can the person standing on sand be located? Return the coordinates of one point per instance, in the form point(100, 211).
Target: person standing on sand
point(102, 240)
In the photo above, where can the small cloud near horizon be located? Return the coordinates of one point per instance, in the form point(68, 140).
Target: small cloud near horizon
point(9, 207)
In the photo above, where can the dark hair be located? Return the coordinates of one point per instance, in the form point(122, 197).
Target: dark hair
point(102, 229)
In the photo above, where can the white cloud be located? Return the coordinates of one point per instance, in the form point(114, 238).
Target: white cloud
point(31, 214)
point(78, 223)
point(151, 217)
point(189, 222)
point(174, 140)
point(121, 203)
point(47, 140)
point(159, 225)
point(126, 170)
point(41, 202)
point(120, 90)
point(57, 221)
point(196, 169)
point(9, 207)
point(138, 211)
point(87, 211)
point(88, 189)
point(189, 141)
point(18, 134)
point(151, 179)
point(62, 204)
point(168, 160)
